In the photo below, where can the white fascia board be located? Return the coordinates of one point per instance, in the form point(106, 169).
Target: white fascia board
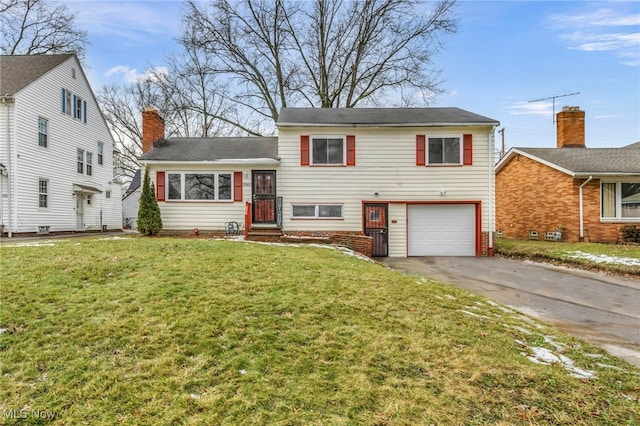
point(447, 124)
point(515, 151)
point(240, 162)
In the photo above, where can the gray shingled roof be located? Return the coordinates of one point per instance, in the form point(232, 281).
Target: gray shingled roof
point(18, 71)
point(134, 184)
point(214, 149)
point(380, 117)
point(582, 161)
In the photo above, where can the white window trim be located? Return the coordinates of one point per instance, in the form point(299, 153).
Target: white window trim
point(43, 193)
point(100, 153)
point(316, 215)
point(618, 218)
point(344, 150)
point(78, 160)
point(437, 136)
point(46, 134)
point(183, 181)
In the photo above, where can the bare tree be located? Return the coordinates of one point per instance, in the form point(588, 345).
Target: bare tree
point(326, 53)
point(29, 27)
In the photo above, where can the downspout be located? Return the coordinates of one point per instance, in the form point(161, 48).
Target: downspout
point(8, 167)
point(581, 209)
point(491, 168)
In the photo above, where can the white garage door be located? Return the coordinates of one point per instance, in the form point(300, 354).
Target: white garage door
point(441, 230)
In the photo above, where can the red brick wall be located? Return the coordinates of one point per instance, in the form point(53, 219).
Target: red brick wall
point(533, 197)
point(570, 128)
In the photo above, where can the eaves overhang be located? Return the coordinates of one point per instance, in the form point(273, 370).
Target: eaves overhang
point(430, 124)
point(515, 151)
point(231, 162)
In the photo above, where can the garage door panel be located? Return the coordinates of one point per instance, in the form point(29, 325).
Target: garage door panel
point(441, 230)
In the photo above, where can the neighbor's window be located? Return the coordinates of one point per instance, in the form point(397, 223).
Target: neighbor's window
point(327, 150)
point(43, 131)
point(107, 194)
point(89, 164)
point(78, 114)
point(80, 161)
point(67, 102)
point(444, 150)
point(43, 193)
point(100, 153)
point(317, 211)
point(199, 186)
point(620, 200)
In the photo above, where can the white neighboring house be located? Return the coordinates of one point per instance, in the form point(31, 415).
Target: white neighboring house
point(56, 150)
point(131, 202)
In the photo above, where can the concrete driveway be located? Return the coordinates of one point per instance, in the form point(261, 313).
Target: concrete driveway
point(598, 308)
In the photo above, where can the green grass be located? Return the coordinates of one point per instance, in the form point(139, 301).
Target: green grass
point(162, 331)
point(614, 258)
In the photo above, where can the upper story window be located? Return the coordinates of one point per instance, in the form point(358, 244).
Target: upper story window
point(444, 150)
point(80, 160)
point(189, 186)
point(43, 193)
point(89, 158)
point(74, 105)
point(100, 153)
point(43, 132)
point(327, 150)
point(620, 200)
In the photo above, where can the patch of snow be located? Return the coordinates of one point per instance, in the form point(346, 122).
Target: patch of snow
point(195, 396)
point(473, 314)
point(114, 238)
point(557, 346)
point(604, 258)
point(448, 296)
point(521, 329)
point(33, 244)
point(243, 372)
point(547, 357)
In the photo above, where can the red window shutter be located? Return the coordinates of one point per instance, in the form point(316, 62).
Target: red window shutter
point(467, 150)
point(237, 186)
point(351, 150)
point(304, 150)
point(160, 185)
point(421, 157)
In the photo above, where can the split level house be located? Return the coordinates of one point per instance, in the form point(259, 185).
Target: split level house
point(387, 182)
point(56, 151)
point(570, 192)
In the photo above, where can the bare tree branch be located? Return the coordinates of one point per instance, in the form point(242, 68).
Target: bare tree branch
point(30, 27)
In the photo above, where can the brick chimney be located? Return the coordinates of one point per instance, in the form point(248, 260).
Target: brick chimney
point(570, 127)
point(152, 128)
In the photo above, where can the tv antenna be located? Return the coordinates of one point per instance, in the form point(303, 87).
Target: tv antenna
point(554, 101)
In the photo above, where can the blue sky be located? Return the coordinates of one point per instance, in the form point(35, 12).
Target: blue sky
point(505, 54)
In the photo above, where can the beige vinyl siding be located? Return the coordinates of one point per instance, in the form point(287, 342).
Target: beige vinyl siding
point(386, 164)
point(204, 215)
point(397, 231)
point(57, 162)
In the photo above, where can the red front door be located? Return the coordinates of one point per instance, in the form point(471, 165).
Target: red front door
point(264, 196)
point(377, 227)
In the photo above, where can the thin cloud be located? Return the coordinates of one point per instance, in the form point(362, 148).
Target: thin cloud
point(131, 75)
point(531, 108)
point(602, 30)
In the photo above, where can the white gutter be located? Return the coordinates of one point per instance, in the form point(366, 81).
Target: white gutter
point(8, 166)
point(581, 209)
point(239, 162)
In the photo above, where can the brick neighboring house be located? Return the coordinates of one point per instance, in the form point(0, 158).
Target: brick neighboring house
point(587, 193)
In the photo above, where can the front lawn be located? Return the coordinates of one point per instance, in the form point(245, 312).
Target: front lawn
point(147, 331)
point(620, 259)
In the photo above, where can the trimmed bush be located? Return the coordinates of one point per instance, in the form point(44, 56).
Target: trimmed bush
point(149, 220)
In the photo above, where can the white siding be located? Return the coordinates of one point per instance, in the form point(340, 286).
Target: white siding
point(386, 164)
point(57, 162)
point(204, 215)
point(130, 208)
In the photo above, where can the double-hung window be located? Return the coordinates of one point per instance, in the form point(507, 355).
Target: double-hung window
point(199, 186)
point(43, 193)
point(43, 132)
point(89, 163)
point(317, 211)
point(80, 160)
point(327, 150)
point(100, 153)
point(620, 201)
point(444, 150)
